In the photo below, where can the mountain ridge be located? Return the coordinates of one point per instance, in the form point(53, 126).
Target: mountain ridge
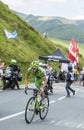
point(56, 27)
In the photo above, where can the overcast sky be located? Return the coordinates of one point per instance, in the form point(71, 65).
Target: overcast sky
point(72, 9)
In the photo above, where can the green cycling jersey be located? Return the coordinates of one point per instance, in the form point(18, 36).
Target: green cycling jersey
point(38, 75)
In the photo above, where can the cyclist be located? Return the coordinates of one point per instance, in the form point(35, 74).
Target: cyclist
point(39, 75)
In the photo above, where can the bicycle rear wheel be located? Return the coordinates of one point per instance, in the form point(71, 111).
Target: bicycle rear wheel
point(45, 107)
point(30, 110)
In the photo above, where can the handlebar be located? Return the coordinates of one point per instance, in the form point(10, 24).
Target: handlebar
point(38, 90)
point(26, 92)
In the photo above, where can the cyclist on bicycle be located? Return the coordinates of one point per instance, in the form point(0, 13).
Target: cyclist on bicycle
point(40, 77)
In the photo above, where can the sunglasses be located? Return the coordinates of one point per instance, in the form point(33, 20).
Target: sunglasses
point(34, 69)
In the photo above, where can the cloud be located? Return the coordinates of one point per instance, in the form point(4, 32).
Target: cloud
point(64, 8)
point(14, 2)
point(32, 5)
point(79, 17)
point(56, 1)
point(19, 3)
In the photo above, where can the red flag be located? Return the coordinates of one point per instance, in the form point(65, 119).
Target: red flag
point(73, 51)
point(72, 48)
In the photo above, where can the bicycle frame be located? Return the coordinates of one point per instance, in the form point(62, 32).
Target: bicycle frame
point(37, 102)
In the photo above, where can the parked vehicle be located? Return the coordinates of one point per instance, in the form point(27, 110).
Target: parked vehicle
point(62, 75)
point(55, 76)
point(11, 78)
point(49, 87)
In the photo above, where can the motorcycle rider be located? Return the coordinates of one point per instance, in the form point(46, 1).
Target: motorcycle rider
point(15, 68)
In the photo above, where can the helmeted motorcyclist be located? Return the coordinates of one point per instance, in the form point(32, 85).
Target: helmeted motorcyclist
point(15, 69)
point(14, 65)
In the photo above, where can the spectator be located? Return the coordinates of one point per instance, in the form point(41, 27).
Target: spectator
point(69, 81)
point(81, 75)
point(75, 70)
point(1, 72)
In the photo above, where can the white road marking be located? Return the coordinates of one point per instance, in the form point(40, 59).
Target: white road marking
point(79, 125)
point(11, 116)
point(68, 124)
point(61, 98)
point(16, 114)
point(52, 101)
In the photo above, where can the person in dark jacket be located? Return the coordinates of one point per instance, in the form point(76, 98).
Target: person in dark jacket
point(69, 81)
point(15, 68)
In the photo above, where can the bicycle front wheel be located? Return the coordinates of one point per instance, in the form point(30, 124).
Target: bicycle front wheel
point(30, 110)
point(44, 108)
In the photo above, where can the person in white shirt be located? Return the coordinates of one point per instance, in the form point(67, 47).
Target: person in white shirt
point(1, 72)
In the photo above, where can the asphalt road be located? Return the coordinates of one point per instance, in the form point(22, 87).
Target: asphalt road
point(64, 113)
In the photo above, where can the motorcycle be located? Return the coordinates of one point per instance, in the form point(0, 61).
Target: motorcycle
point(11, 78)
point(49, 84)
point(55, 76)
point(62, 76)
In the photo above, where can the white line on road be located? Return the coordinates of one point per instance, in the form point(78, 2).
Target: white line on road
point(61, 98)
point(19, 113)
point(16, 114)
point(11, 116)
point(52, 101)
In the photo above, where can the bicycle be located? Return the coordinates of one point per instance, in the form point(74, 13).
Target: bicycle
point(36, 105)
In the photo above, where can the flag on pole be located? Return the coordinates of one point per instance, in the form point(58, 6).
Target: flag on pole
point(11, 35)
point(72, 54)
point(73, 51)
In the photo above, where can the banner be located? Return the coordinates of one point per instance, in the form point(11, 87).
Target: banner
point(11, 35)
point(64, 67)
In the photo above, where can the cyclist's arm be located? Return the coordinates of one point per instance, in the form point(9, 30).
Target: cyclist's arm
point(27, 78)
point(26, 81)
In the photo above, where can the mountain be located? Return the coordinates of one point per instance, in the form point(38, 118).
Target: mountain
point(57, 27)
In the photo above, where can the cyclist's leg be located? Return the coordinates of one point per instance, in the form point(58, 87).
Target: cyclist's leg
point(42, 92)
point(35, 92)
point(39, 86)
